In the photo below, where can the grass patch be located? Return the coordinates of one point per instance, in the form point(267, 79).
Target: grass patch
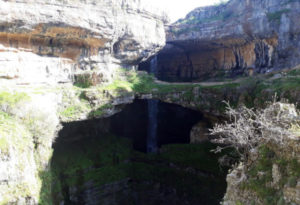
point(75, 105)
point(100, 111)
point(119, 85)
point(143, 83)
point(12, 98)
point(69, 111)
point(284, 84)
point(74, 111)
point(8, 100)
point(294, 72)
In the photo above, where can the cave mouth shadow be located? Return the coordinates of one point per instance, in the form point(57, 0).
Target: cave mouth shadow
point(104, 161)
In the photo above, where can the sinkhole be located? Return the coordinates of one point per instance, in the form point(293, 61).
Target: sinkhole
point(126, 160)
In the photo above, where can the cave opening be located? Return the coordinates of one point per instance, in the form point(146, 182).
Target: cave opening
point(107, 161)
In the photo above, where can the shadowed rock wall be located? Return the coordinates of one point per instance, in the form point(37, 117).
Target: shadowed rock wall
point(236, 38)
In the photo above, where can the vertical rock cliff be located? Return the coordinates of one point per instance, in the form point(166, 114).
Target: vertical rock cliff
point(45, 46)
point(234, 38)
point(43, 41)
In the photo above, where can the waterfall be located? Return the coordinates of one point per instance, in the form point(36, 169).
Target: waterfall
point(153, 66)
point(152, 114)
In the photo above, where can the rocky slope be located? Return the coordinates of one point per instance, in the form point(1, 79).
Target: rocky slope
point(51, 41)
point(234, 38)
point(271, 174)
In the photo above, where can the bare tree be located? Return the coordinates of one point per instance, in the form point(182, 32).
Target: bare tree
point(248, 128)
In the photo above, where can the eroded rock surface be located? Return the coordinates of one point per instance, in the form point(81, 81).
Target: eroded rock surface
point(236, 38)
point(271, 173)
point(53, 40)
point(45, 43)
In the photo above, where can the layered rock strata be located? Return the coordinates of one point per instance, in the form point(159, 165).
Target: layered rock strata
point(234, 38)
point(43, 41)
point(46, 46)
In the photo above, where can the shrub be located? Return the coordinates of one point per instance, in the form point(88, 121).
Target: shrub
point(249, 128)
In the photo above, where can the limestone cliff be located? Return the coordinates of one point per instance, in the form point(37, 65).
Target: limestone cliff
point(270, 170)
point(234, 38)
point(51, 41)
point(46, 46)
point(270, 177)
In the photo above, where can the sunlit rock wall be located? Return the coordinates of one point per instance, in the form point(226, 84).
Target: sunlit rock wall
point(45, 41)
point(235, 38)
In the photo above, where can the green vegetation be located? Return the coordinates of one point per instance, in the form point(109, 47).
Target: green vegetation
point(194, 21)
point(75, 104)
point(14, 137)
point(5, 125)
point(249, 91)
point(106, 154)
point(74, 111)
point(276, 16)
point(100, 111)
point(106, 159)
point(146, 84)
point(239, 203)
point(12, 133)
point(283, 84)
point(69, 111)
point(261, 175)
point(45, 195)
point(17, 133)
point(294, 72)
point(9, 101)
point(26, 133)
point(84, 80)
point(198, 156)
point(12, 98)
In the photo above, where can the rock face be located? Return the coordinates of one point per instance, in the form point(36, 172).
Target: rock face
point(199, 133)
point(236, 38)
point(51, 42)
point(271, 173)
point(44, 41)
point(28, 127)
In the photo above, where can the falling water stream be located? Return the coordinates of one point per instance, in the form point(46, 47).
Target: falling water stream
point(152, 115)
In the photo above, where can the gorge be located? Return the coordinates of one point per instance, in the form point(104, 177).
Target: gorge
point(106, 102)
point(111, 165)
